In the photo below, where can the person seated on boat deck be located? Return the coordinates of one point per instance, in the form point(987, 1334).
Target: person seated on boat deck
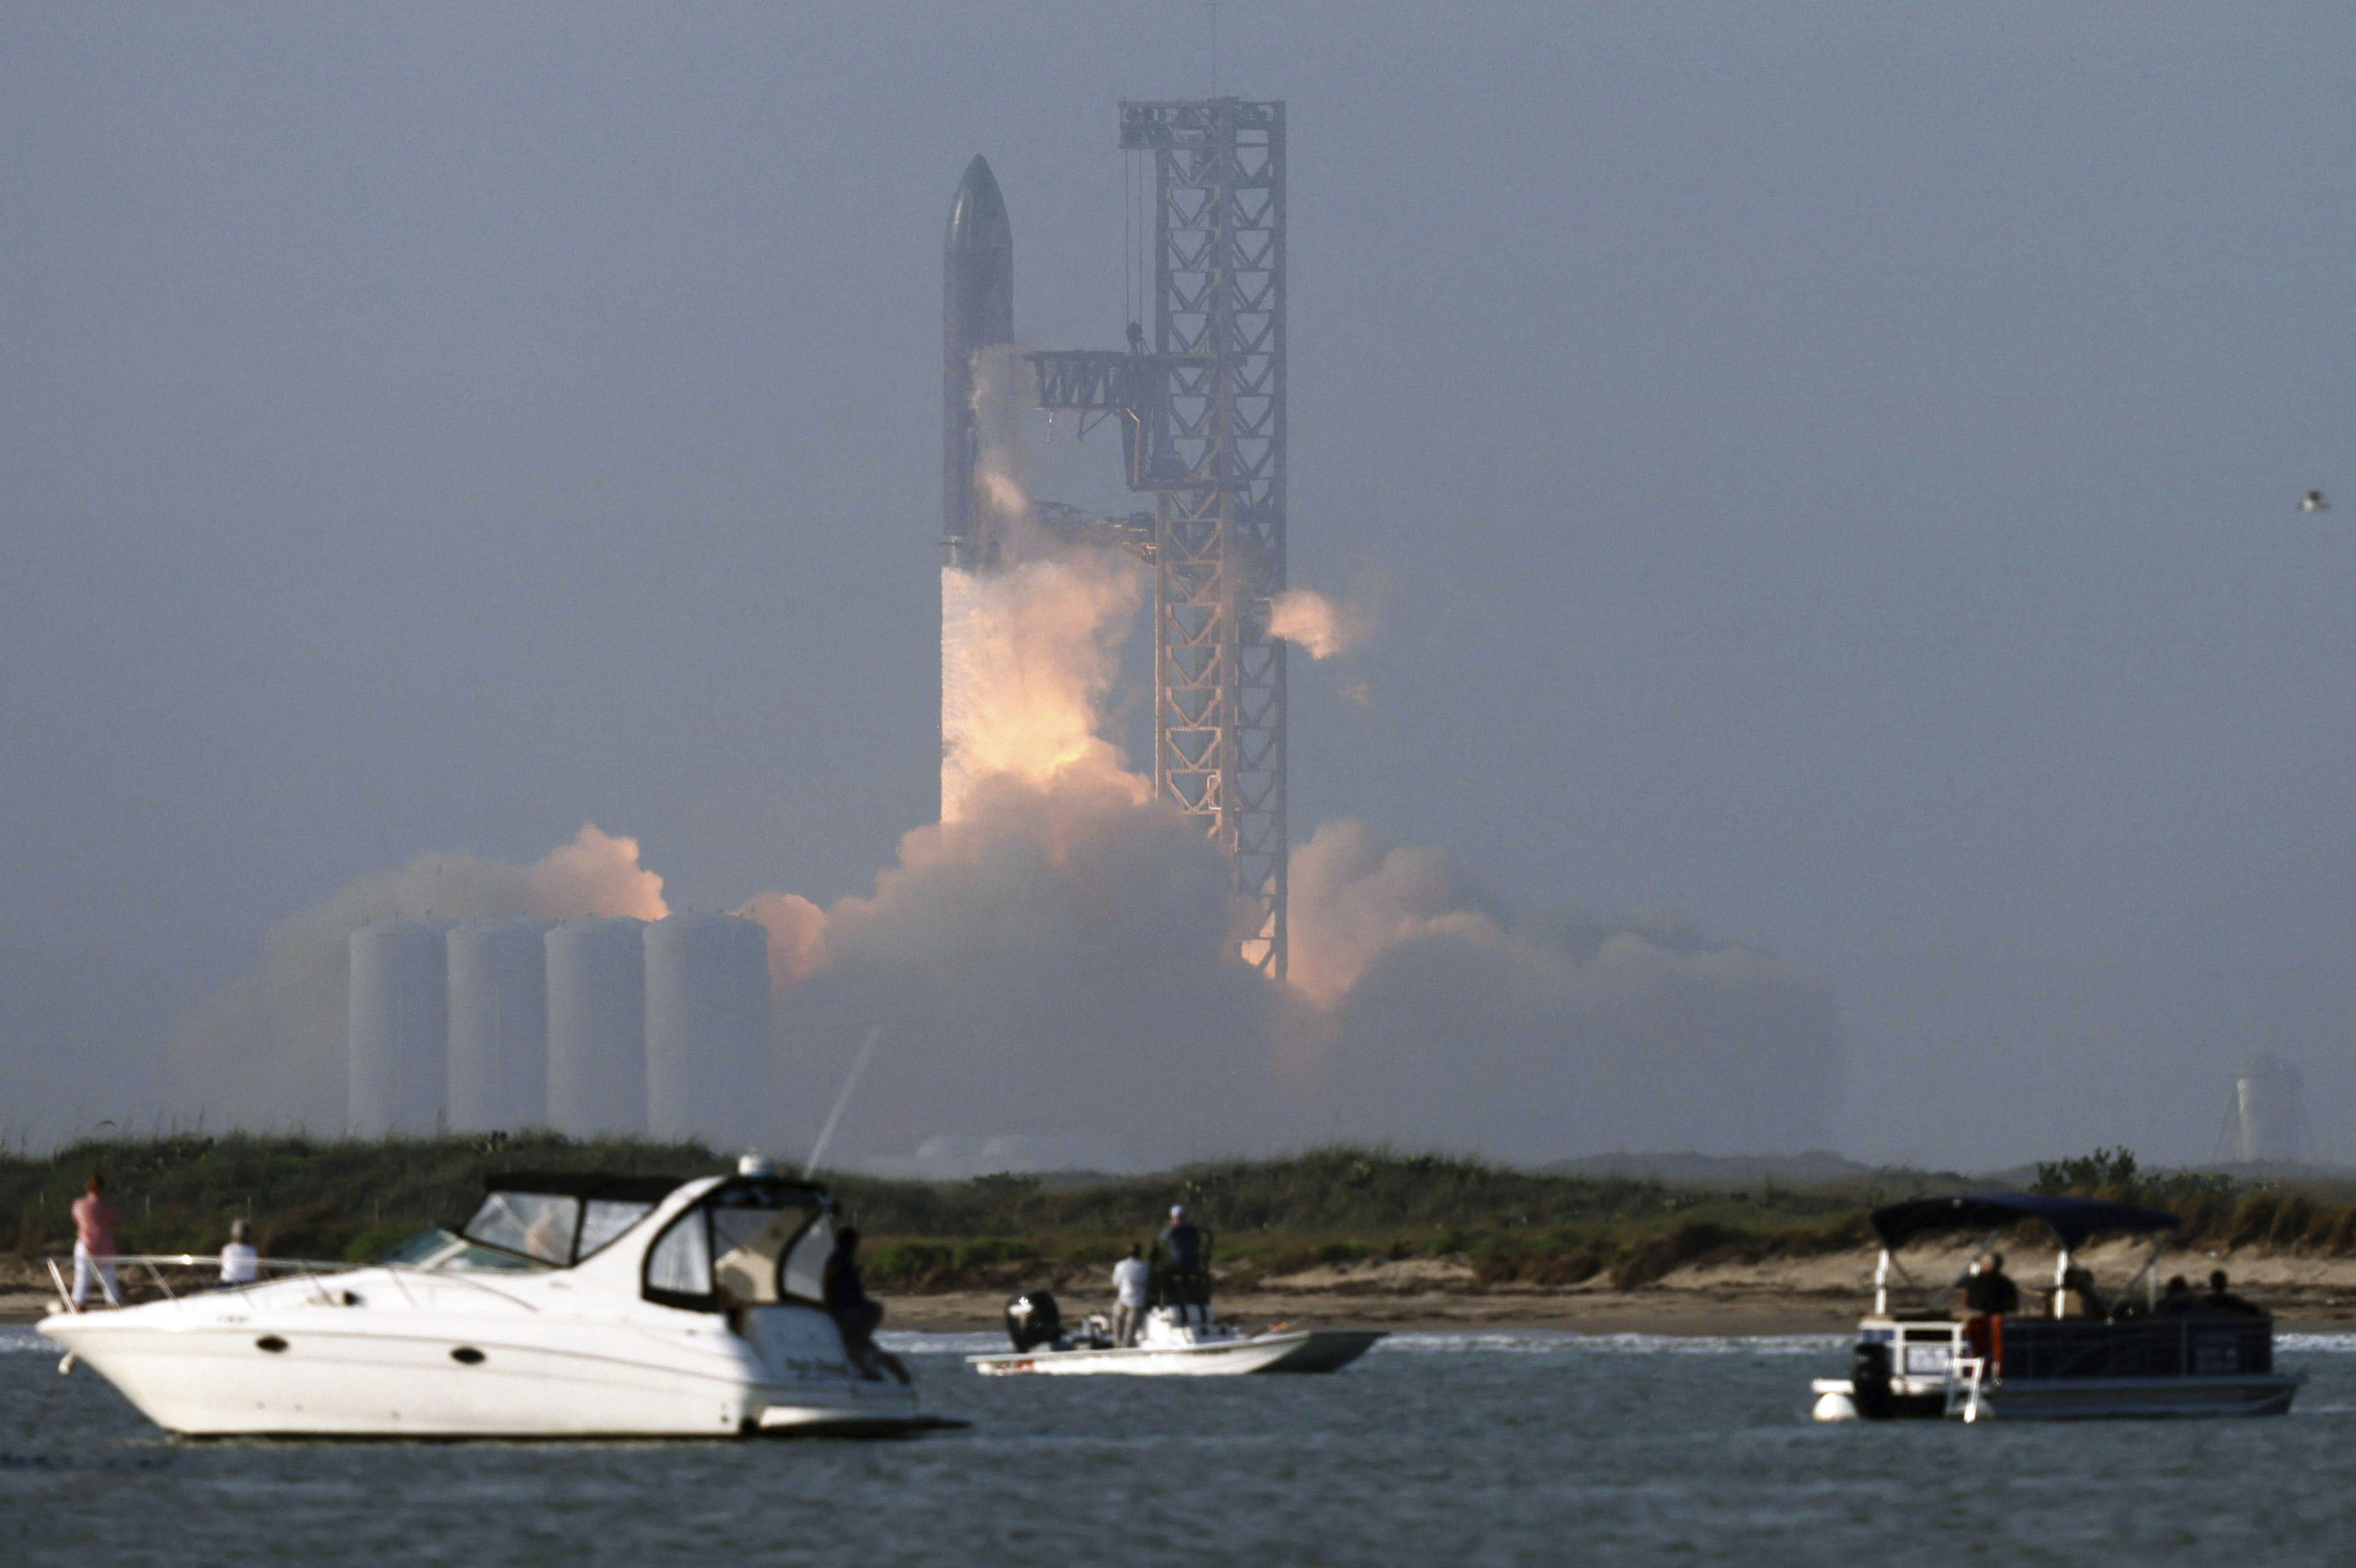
point(855, 1313)
point(2222, 1300)
point(2175, 1298)
point(2079, 1296)
point(1181, 1275)
point(1131, 1277)
point(240, 1262)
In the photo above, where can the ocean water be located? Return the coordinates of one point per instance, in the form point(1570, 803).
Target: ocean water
point(1435, 1449)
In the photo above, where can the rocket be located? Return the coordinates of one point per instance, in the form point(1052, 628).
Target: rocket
point(977, 313)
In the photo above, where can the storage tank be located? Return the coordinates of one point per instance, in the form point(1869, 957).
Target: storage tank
point(597, 1026)
point(707, 1027)
point(499, 1025)
point(2270, 1121)
point(399, 1031)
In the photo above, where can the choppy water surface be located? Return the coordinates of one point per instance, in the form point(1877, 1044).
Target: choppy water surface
point(1476, 1448)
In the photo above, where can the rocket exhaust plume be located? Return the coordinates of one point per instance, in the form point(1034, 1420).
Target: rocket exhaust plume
point(1030, 634)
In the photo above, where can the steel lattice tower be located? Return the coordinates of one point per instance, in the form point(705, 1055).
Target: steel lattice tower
point(1202, 429)
point(1218, 333)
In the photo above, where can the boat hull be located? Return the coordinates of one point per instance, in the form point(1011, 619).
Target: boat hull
point(1301, 1350)
point(2087, 1398)
point(314, 1368)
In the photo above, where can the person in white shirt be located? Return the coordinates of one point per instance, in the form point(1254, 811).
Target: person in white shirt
point(240, 1262)
point(1130, 1278)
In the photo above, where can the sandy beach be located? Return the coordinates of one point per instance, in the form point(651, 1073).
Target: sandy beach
point(1823, 1295)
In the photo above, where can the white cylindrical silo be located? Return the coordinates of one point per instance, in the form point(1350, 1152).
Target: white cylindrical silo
point(2266, 1102)
point(597, 1028)
point(400, 1028)
point(707, 1027)
point(499, 1025)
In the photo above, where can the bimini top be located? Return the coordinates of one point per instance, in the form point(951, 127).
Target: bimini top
point(2071, 1219)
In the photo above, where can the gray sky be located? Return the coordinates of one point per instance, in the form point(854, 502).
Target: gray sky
point(1833, 468)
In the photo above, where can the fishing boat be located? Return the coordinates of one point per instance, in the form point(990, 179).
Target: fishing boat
point(1176, 1339)
point(2141, 1356)
point(570, 1306)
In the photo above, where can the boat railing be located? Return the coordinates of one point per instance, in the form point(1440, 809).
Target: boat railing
point(2193, 1345)
point(315, 1271)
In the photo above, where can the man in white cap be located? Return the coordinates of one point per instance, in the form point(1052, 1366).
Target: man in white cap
point(241, 1264)
point(1181, 1246)
point(1130, 1278)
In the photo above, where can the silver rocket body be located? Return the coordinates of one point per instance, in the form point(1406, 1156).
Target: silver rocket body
point(977, 313)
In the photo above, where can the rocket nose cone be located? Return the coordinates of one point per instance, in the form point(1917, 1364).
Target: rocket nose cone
point(978, 215)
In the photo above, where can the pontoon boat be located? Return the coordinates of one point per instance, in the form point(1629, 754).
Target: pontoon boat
point(2138, 1358)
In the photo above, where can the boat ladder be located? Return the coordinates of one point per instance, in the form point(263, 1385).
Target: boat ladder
point(1966, 1378)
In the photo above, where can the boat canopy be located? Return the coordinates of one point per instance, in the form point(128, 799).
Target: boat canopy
point(2071, 1219)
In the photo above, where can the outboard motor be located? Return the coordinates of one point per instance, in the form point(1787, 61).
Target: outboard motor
point(1032, 1320)
point(1869, 1380)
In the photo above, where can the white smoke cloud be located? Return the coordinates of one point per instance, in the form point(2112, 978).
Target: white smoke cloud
point(1455, 1021)
point(1317, 625)
point(1051, 963)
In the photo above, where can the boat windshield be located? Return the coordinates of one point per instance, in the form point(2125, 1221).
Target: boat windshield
point(553, 1228)
point(749, 1244)
point(435, 1248)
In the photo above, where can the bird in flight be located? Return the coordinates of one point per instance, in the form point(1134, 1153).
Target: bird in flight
point(2313, 501)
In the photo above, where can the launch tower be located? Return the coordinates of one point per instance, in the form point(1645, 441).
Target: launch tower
point(1200, 394)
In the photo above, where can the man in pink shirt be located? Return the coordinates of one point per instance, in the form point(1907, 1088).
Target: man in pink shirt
point(93, 1242)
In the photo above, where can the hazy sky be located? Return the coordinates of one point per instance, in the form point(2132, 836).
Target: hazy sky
point(1834, 471)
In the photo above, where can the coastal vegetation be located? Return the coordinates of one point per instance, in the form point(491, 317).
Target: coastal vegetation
point(350, 1200)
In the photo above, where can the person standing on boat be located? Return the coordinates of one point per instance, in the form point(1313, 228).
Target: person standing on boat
point(95, 1249)
point(241, 1264)
point(1989, 1295)
point(1130, 1278)
point(1180, 1247)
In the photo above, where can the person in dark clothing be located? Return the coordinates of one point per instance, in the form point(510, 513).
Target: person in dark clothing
point(1989, 1294)
point(854, 1312)
point(2220, 1299)
point(2079, 1296)
point(2175, 1298)
point(1989, 1291)
point(1183, 1274)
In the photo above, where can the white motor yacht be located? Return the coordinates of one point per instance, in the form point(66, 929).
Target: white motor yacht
point(1174, 1341)
point(2135, 1357)
point(570, 1307)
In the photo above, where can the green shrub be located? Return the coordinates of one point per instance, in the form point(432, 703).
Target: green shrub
point(2341, 1239)
point(993, 1250)
point(371, 1241)
point(1689, 1243)
point(909, 1263)
point(2253, 1217)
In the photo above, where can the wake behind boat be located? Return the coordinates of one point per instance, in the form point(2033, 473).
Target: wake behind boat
point(1175, 1340)
point(570, 1306)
